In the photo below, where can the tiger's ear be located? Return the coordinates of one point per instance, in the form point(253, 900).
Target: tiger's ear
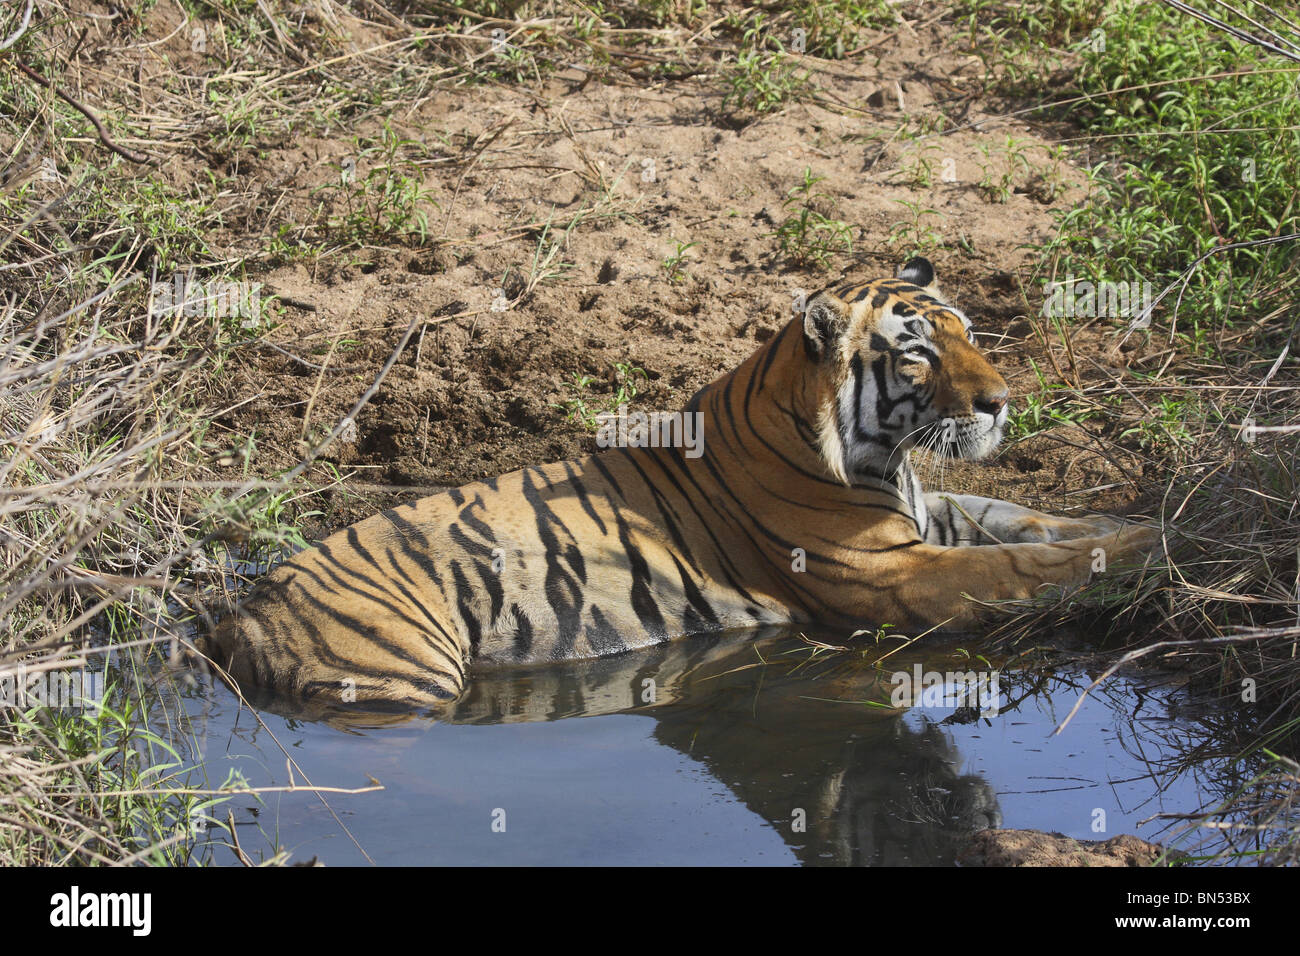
point(825, 319)
point(917, 271)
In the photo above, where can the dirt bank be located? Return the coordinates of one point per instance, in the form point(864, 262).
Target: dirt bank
point(511, 309)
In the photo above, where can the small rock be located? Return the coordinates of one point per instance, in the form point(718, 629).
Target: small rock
point(1036, 848)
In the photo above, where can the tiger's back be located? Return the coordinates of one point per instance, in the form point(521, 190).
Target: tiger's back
point(400, 602)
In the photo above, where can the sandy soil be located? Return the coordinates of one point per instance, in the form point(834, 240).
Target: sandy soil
point(476, 391)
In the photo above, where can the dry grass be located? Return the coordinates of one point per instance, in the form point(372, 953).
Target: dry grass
point(1225, 606)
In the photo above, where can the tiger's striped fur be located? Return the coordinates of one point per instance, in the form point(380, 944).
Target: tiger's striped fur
point(803, 506)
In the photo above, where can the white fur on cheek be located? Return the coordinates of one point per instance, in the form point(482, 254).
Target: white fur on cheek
point(832, 446)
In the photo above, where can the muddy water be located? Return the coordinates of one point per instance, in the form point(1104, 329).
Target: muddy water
point(732, 749)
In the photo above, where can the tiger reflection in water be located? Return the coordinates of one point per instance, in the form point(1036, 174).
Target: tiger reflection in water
point(786, 736)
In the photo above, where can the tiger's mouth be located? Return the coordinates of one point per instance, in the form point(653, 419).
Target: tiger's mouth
point(970, 437)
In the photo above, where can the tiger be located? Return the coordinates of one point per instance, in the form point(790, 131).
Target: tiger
point(800, 504)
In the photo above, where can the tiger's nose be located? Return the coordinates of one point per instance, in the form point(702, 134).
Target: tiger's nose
point(992, 404)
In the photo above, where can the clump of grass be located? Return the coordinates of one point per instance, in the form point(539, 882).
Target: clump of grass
point(584, 407)
point(118, 530)
point(117, 539)
point(828, 29)
point(99, 561)
point(1257, 820)
point(662, 12)
point(1184, 181)
point(809, 235)
point(761, 82)
point(835, 27)
point(380, 194)
point(1021, 43)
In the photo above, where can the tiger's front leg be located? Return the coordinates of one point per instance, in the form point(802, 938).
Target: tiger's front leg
point(946, 586)
point(961, 520)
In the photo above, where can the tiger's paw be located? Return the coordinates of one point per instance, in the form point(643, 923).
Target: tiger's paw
point(1135, 541)
point(1047, 528)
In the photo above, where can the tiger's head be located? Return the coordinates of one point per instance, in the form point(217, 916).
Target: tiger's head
point(899, 369)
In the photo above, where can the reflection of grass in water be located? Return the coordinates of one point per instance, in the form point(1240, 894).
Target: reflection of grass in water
point(1208, 742)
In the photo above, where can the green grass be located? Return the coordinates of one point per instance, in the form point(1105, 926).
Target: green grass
point(809, 236)
point(583, 405)
point(1021, 44)
point(1202, 159)
point(1192, 149)
point(761, 82)
point(836, 27)
point(115, 765)
point(114, 543)
point(380, 193)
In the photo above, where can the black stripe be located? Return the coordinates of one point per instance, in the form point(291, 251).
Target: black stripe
point(643, 603)
point(523, 643)
point(772, 348)
point(478, 524)
point(699, 614)
point(464, 604)
point(602, 637)
point(583, 499)
point(562, 593)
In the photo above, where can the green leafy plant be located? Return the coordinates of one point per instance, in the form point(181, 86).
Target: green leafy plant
point(583, 407)
point(808, 236)
point(761, 82)
point(379, 195)
point(1052, 405)
point(1181, 180)
point(834, 27)
point(1007, 162)
point(917, 234)
point(1165, 424)
point(917, 166)
point(673, 264)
